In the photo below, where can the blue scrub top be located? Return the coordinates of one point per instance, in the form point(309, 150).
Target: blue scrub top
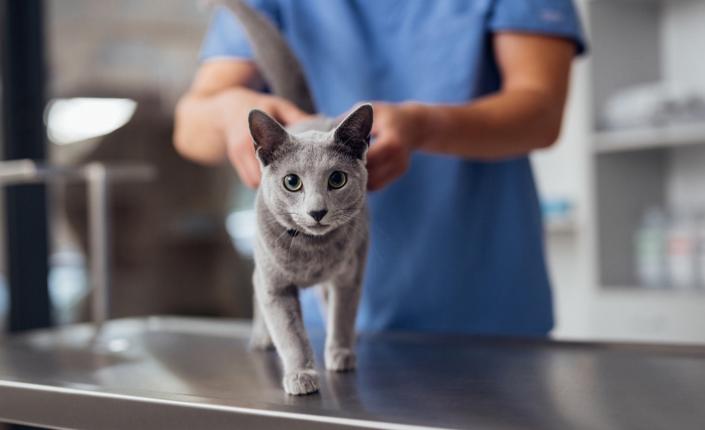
point(456, 244)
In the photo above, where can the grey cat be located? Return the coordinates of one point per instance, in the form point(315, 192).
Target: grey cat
point(311, 215)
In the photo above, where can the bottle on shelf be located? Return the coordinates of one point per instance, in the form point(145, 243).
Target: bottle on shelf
point(700, 250)
point(650, 243)
point(681, 251)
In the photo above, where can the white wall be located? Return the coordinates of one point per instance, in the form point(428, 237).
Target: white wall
point(563, 171)
point(683, 45)
point(683, 41)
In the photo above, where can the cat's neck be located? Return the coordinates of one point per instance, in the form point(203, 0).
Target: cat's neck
point(298, 233)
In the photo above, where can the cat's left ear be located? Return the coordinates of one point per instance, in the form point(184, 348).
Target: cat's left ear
point(353, 133)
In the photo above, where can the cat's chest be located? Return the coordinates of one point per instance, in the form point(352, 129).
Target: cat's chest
point(305, 261)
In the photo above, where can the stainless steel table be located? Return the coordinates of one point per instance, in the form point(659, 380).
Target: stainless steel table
point(174, 373)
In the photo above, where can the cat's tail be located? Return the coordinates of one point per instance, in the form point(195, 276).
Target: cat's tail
point(273, 56)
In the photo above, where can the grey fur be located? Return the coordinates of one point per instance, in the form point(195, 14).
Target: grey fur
point(295, 251)
point(276, 61)
point(292, 250)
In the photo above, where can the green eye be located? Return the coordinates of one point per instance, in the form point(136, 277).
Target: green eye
point(292, 183)
point(337, 180)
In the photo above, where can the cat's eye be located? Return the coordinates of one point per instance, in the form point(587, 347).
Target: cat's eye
point(293, 183)
point(337, 180)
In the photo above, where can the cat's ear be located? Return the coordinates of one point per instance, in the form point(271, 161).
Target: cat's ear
point(353, 133)
point(267, 134)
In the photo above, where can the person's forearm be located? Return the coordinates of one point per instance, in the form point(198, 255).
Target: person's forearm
point(197, 132)
point(198, 129)
point(507, 124)
point(202, 113)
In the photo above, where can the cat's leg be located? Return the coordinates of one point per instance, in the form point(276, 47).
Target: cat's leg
point(282, 313)
point(260, 339)
point(343, 298)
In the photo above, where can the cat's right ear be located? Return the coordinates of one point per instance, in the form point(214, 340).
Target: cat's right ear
point(267, 134)
point(353, 133)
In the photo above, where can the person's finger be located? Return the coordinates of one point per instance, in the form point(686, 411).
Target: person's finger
point(253, 171)
point(380, 152)
point(378, 122)
point(388, 165)
point(288, 113)
point(377, 127)
point(245, 162)
point(242, 171)
point(382, 178)
point(381, 173)
point(377, 159)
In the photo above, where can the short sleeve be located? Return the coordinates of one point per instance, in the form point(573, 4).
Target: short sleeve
point(226, 38)
point(548, 17)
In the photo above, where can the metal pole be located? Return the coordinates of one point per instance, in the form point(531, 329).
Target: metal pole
point(22, 29)
point(99, 178)
point(100, 241)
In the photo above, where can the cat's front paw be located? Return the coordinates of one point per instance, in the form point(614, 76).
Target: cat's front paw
point(300, 382)
point(340, 359)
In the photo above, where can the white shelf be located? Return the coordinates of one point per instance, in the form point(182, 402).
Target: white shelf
point(649, 138)
point(624, 290)
point(647, 315)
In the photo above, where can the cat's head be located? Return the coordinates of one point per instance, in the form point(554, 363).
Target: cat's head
point(314, 181)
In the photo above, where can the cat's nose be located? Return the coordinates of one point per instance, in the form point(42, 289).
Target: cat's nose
point(318, 215)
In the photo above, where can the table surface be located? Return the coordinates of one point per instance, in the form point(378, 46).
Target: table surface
point(175, 373)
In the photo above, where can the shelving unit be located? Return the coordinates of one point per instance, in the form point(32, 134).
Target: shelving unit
point(649, 138)
point(623, 173)
point(636, 170)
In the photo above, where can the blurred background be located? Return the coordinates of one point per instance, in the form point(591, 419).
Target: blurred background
point(622, 192)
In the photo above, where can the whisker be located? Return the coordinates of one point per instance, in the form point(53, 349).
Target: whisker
point(280, 236)
point(288, 252)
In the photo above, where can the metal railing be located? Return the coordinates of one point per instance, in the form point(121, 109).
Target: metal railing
point(98, 177)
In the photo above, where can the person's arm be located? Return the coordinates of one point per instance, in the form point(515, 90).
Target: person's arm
point(211, 118)
point(524, 115)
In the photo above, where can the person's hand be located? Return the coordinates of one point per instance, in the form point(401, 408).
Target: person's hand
point(237, 104)
point(396, 133)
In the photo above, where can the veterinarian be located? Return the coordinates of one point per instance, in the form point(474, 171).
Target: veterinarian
point(463, 91)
